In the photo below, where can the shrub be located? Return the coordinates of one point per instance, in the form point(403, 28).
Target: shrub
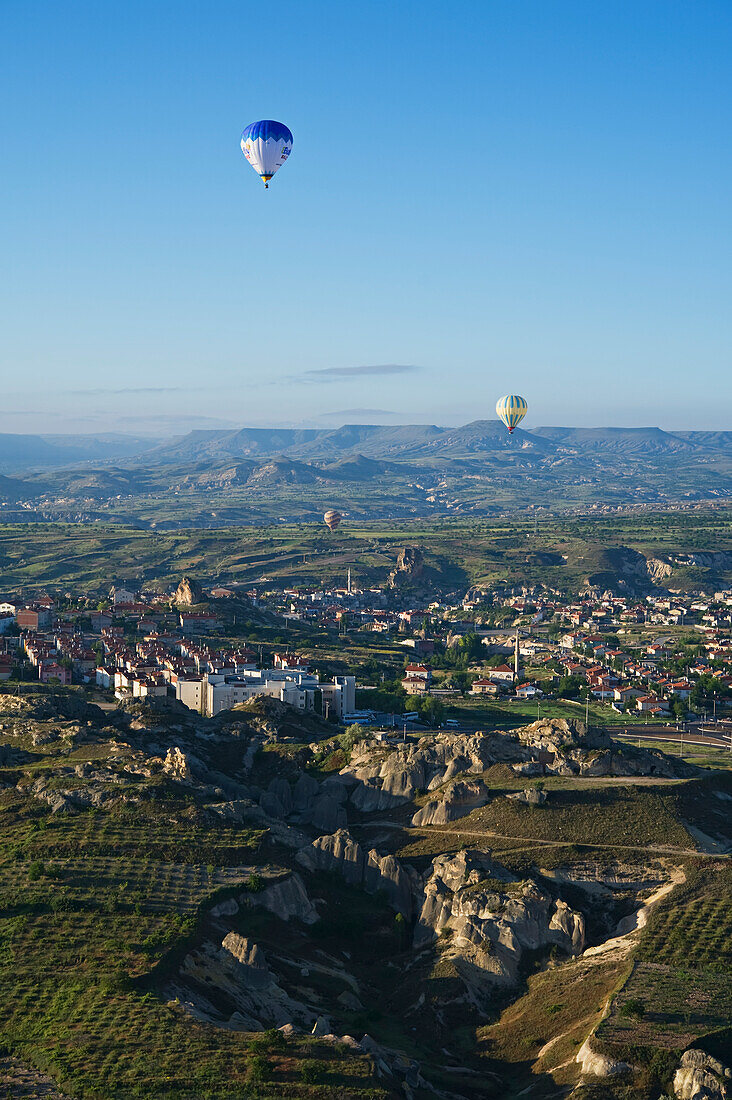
point(353, 733)
point(272, 1039)
point(633, 1008)
point(255, 883)
point(258, 1069)
point(311, 1072)
point(36, 870)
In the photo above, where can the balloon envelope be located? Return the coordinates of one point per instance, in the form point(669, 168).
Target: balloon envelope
point(511, 410)
point(332, 519)
point(266, 145)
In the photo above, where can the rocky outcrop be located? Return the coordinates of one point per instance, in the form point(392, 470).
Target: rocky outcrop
point(177, 765)
point(598, 1065)
point(658, 570)
point(530, 796)
point(68, 800)
point(409, 567)
point(57, 801)
point(572, 749)
point(340, 854)
point(704, 559)
point(244, 951)
point(304, 792)
point(276, 801)
point(461, 798)
point(287, 899)
point(381, 779)
point(561, 734)
point(491, 918)
point(188, 593)
point(237, 971)
point(702, 1077)
point(309, 802)
point(327, 814)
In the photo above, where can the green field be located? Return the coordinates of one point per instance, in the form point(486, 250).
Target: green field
point(566, 552)
point(99, 906)
point(682, 974)
point(95, 907)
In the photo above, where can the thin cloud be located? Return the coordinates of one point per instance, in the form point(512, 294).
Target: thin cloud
point(101, 392)
point(361, 412)
point(358, 372)
point(176, 418)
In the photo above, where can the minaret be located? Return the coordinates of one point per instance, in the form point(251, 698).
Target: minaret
point(349, 580)
point(516, 659)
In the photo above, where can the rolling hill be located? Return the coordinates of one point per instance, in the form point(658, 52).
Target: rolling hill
point(214, 478)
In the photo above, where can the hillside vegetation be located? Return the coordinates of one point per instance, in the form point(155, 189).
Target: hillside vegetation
point(207, 909)
point(617, 552)
point(375, 472)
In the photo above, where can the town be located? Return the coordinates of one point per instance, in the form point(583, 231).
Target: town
point(370, 656)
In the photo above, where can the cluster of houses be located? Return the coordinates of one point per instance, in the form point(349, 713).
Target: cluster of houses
point(638, 681)
point(166, 657)
point(628, 678)
point(168, 651)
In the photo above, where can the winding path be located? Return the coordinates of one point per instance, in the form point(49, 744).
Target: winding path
point(531, 841)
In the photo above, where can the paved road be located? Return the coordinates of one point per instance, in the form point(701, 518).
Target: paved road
point(665, 733)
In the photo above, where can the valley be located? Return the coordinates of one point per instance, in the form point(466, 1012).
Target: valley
point(167, 879)
point(212, 479)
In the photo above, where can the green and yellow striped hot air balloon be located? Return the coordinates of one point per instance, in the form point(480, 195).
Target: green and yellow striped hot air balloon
point(511, 410)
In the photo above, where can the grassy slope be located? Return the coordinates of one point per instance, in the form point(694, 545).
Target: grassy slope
point(90, 905)
point(456, 553)
point(683, 970)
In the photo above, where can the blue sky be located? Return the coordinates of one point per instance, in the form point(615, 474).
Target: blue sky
point(483, 197)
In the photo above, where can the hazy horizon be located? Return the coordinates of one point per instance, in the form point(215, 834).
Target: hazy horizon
point(169, 432)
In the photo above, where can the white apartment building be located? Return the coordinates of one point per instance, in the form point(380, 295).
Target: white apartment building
point(213, 692)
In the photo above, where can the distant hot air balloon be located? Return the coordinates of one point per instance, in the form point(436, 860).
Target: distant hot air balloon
point(266, 145)
point(511, 410)
point(332, 519)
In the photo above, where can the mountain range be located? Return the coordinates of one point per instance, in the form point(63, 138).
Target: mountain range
point(423, 441)
point(414, 441)
point(248, 475)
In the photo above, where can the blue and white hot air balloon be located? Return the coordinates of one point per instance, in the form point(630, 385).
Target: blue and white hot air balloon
point(266, 145)
point(511, 410)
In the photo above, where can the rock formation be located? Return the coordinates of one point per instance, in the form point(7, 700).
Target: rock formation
point(177, 765)
point(238, 970)
point(409, 567)
point(596, 1064)
point(381, 779)
point(188, 593)
point(492, 918)
point(460, 799)
point(529, 797)
point(702, 1077)
point(287, 899)
point(341, 854)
